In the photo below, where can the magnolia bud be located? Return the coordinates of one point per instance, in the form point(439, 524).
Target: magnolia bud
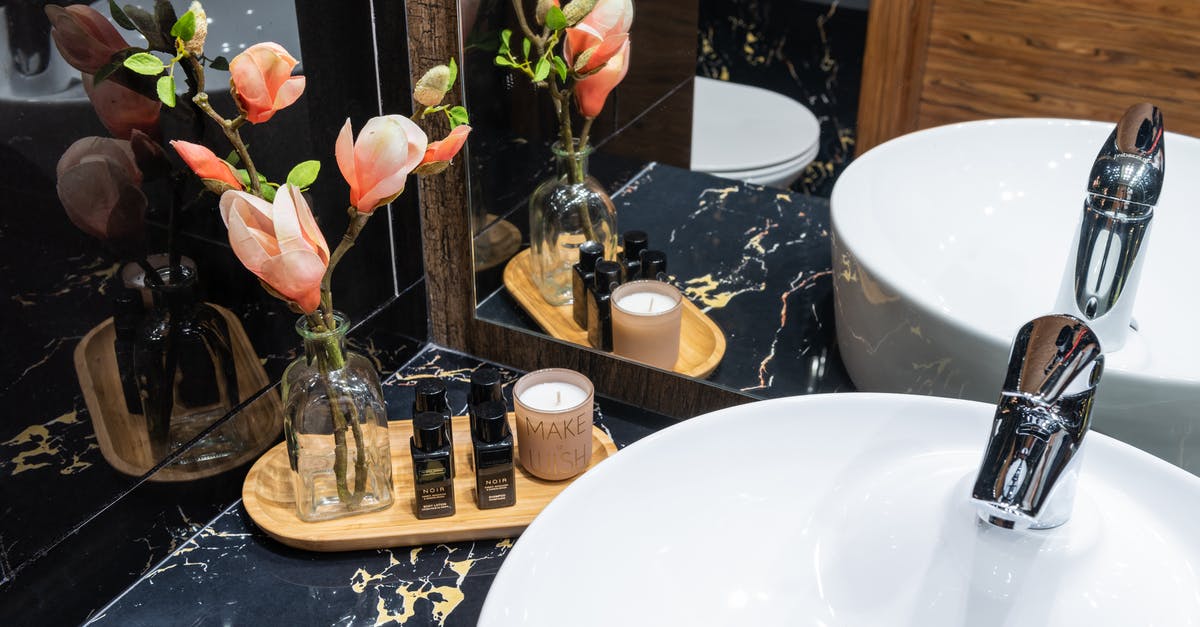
point(149, 155)
point(577, 10)
point(432, 87)
point(195, 45)
point(543, 7)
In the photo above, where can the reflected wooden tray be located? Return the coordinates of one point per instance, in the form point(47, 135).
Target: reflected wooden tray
point(270, 500)
point(122, 436)
point(701, 344)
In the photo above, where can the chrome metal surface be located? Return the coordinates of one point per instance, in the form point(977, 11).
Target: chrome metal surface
point(1101, 280)
point(1027, 476)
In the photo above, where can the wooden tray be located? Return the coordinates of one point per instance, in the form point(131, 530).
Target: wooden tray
point(701, 344)
point(269, 498)
point(122, 437)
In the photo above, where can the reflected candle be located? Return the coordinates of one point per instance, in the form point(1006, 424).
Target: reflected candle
point(554, 422)
point(647, 319)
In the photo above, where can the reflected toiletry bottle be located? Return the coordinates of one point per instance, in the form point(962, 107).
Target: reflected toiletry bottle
point(431, 397)
point(486, 385)
point(608, 276)
point(493, 443)
point(584, 273)
point(433, 483)
point(630, 257)
point(654, 265)
point(127, 316)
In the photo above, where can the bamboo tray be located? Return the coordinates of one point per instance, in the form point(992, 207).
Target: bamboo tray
point(122, 436)
point(269, 498)
point(701, 345)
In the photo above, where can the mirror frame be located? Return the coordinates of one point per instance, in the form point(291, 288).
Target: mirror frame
point(446, 236)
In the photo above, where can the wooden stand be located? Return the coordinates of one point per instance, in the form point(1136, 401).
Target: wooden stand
point(123, 438)
point(701, 344)
point(269, 498)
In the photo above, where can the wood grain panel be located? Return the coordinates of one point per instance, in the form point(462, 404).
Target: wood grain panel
point(1047, 58)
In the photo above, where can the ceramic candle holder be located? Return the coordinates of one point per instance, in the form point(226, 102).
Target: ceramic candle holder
point(647, 316)
point(554, 422)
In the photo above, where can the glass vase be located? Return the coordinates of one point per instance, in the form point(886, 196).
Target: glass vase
point(565, 211)
point(186, 375)
point(335, 423)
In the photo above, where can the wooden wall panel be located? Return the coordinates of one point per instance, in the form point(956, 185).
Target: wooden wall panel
point(1052, 58)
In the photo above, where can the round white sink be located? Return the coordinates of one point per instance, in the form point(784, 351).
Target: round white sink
point(849, 509)
point(946, 241)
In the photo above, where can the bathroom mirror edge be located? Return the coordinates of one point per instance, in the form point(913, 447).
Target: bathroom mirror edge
point(445, 226)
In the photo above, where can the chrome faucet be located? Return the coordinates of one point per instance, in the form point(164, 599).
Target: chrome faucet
point(1101, 280)
point(1027, 476)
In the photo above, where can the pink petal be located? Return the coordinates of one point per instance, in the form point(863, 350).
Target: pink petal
point(297, 275)
point(289, 92)
point(344, 150)
point(254, 211)
point(252, 247)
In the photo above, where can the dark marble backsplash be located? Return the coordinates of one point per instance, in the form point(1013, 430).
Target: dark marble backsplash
point(809, 51)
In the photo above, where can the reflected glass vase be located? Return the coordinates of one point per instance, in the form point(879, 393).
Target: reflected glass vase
point(565, 211)
point(186, 375)
point(335, 423)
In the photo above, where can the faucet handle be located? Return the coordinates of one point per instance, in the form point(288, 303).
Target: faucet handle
point(1027, 475)
point(1130, 165)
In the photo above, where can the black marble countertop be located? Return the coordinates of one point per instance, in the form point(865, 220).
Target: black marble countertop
point(230, 573)
point(756, 259)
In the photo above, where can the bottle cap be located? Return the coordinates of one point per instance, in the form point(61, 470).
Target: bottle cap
point(486, 386)
point(491, 422)
point(431, 396)
point(608, 273)
point(635, 243)
point(428, 434)
point(654, 262)
point(589, 253)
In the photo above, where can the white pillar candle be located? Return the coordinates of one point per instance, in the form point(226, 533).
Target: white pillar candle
point(647, 321)
point(553, 396)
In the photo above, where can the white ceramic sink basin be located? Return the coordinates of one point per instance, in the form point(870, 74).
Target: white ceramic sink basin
point(947, 240)
point(848, 509)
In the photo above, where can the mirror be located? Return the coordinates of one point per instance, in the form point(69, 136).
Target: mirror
point(721, 144)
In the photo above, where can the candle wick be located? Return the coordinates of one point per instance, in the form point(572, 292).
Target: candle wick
point(557, 397)
point(650, 305)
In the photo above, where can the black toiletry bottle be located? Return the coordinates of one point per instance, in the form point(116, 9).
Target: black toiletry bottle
point(654, 265)
point(608, 276)
point(433, 481)
point(128, 312)
point(494, 481)
point(582, 276)
point(431, 396)
point(486, 385)
point(631, 255)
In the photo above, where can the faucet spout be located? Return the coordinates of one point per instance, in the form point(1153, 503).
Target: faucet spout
point(1027, 476)
point(1102, 275)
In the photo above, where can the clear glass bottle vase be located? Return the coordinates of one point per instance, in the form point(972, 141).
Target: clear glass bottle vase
point(565, 211)
point(335, 423)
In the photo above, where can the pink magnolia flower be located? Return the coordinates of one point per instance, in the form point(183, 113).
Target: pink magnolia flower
point(378, 163)
point(261, 78)
point(121, 109)
point(446, 149)
point(279, 242)
point(205, 164)
point(99, 185)
point(609, 17)
point(83, 36)
point(591, 92)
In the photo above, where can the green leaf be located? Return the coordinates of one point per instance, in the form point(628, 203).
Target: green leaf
point(243, 176)
point(555, 20)
point(144, 63)
point(166, 90)
point(148, 27)
point(560, 67)
point(458, 116)
point(165, 15)
point(185, 26)
point(268, 193)
point(525, 45)
point(234, 159)
point(542, 70)
point(505, 36)
point(220, 64)
point(303, 175)
point(105, 71)
point(119, 16)
point(503, 61)
point(453, 74)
